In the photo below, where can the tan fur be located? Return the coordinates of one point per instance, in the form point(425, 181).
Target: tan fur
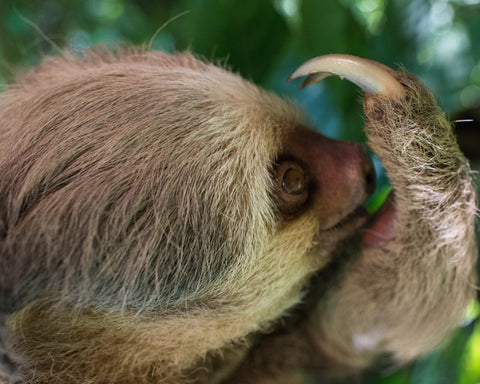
point(141, 241)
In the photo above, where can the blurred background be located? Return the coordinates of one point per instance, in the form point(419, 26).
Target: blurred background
point(265, 40)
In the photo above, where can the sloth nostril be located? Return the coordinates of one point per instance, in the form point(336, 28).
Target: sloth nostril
point(369, 172)
point(370, 180)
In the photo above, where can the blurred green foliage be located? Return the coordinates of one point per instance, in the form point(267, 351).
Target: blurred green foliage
point(265, 40)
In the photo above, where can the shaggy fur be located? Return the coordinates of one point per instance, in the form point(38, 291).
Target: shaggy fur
point(141, 239)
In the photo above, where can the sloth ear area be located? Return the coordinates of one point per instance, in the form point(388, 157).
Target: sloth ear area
point(291, 186)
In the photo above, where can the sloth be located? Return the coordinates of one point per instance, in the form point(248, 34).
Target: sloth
point(163, 220)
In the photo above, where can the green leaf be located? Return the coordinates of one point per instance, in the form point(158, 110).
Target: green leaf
point(470, 370)
point(250, 34)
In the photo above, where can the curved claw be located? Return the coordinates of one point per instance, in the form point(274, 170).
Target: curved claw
point(370, 76)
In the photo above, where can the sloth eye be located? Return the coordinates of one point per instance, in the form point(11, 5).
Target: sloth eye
point(293, 181)
point(292, 186)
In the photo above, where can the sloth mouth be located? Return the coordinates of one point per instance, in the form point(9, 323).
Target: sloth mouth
point(353, 220)
point(375, 230)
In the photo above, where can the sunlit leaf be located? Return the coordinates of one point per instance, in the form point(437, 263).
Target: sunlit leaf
point(473, 310)
point(470, 373)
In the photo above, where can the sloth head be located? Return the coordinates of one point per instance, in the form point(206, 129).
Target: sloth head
point(163, 180)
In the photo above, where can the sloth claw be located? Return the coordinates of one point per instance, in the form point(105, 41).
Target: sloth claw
point(372, 77)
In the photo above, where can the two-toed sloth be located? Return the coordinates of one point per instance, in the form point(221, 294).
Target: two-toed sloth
point(163, 220)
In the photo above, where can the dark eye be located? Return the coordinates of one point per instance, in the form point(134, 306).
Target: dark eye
point(293, 181)
point(292, 186)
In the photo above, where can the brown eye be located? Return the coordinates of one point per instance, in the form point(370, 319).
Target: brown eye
point(293, 181)
point(292, 186)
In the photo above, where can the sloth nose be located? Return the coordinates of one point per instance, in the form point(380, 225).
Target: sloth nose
point(357, 167)
point(351, 183)
point(348, 172)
